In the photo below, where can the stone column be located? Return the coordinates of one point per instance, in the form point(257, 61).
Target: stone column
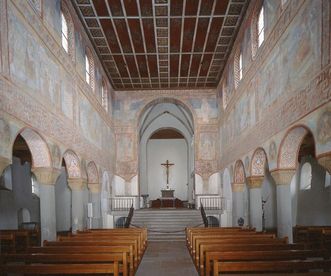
point(238, 202)
point(255, 203)
point(4, 163)
point(46, 178)
point(78, 188)
point(284, 203)
point(96, 200)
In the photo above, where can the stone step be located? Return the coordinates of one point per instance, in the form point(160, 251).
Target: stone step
point(166, 224)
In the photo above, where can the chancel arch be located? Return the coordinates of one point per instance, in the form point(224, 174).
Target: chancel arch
point(164, 126)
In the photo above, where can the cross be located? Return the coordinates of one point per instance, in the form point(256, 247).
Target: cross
point(167, 165)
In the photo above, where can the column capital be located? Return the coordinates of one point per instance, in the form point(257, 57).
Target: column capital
point(46, 176)
point(94, 188)
point(255, 181)
point(238, 187)
point(325, 162)
point(4, 163)
point(283, 176)
point(77, 184)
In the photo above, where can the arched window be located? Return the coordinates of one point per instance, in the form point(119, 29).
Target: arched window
point(306, 176)
point(104, 96)
point(224, 95)
point(257, 29)
point(35, 185)
point(89, 68)
point(260, 27)
point(238, 68)
point(65, 33)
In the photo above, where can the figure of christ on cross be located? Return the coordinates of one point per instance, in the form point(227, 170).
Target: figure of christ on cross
point(167, 165)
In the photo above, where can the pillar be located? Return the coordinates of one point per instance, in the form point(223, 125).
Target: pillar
point(4, 163)
point(46, 178)
point(255, 203)
point(238, 202)
point(283, 179)
point(78, 188)
point(95, 199)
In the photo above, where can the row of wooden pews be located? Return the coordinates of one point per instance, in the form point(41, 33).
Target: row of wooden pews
point(18, 240)
point(111, 252)
point(313, 237)
point(235, 251)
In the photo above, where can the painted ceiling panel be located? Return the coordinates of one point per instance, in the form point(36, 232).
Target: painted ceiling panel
point(150, 44)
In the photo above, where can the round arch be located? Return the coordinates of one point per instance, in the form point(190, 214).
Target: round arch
point(159, 114)
point(72, 163)
point(173, 100)
point(258, 163)
point(92, 173)
point(290, 146)
point(41, 156)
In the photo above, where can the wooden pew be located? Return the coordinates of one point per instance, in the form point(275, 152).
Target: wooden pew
point(109, 237)
point(261, 255)
point(70, 243)
point(242, 241)
point(229, 230)
point(7, 242)
point(284, 266)
point(63, 269)
point(89, 250)
point(118, 259)
point(142, 231)
point(209, 252)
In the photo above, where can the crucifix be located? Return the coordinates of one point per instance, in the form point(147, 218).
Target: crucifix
point(167, 165)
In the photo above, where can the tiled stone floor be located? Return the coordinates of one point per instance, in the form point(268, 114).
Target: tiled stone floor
point(166, 259)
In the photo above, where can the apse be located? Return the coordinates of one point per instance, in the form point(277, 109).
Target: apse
point(166, 150)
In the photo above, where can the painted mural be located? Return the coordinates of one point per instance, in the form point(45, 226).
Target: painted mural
point(324, 128)
point(205, 109)
point(207, 146)
point(90, 122)
point(126, 110)
point(38, 70)
point(125, 149)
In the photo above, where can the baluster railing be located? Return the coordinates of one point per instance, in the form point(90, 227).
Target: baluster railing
point(121, 203)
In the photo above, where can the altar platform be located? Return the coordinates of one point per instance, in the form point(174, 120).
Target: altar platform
point(167, 202)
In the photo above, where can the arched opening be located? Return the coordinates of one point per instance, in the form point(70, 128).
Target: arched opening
point(20, 197)
point(213, 221)
point(120, 222)
point(240, 196)
point(23, 216)
point(166, 133)
point(63, 201)
point(308, 186)
point(269, 202)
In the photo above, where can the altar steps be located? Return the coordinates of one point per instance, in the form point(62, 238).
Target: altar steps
point(166, 224)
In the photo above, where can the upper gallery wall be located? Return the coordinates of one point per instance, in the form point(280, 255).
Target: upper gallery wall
point(284, 80)
point(43, 85)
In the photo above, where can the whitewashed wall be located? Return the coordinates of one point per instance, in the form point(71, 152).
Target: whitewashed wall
point(158, 151)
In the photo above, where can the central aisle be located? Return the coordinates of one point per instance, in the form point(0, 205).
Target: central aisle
point(169, 258)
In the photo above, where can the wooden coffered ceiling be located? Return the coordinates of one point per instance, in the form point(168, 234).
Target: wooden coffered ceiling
point(162, 44)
